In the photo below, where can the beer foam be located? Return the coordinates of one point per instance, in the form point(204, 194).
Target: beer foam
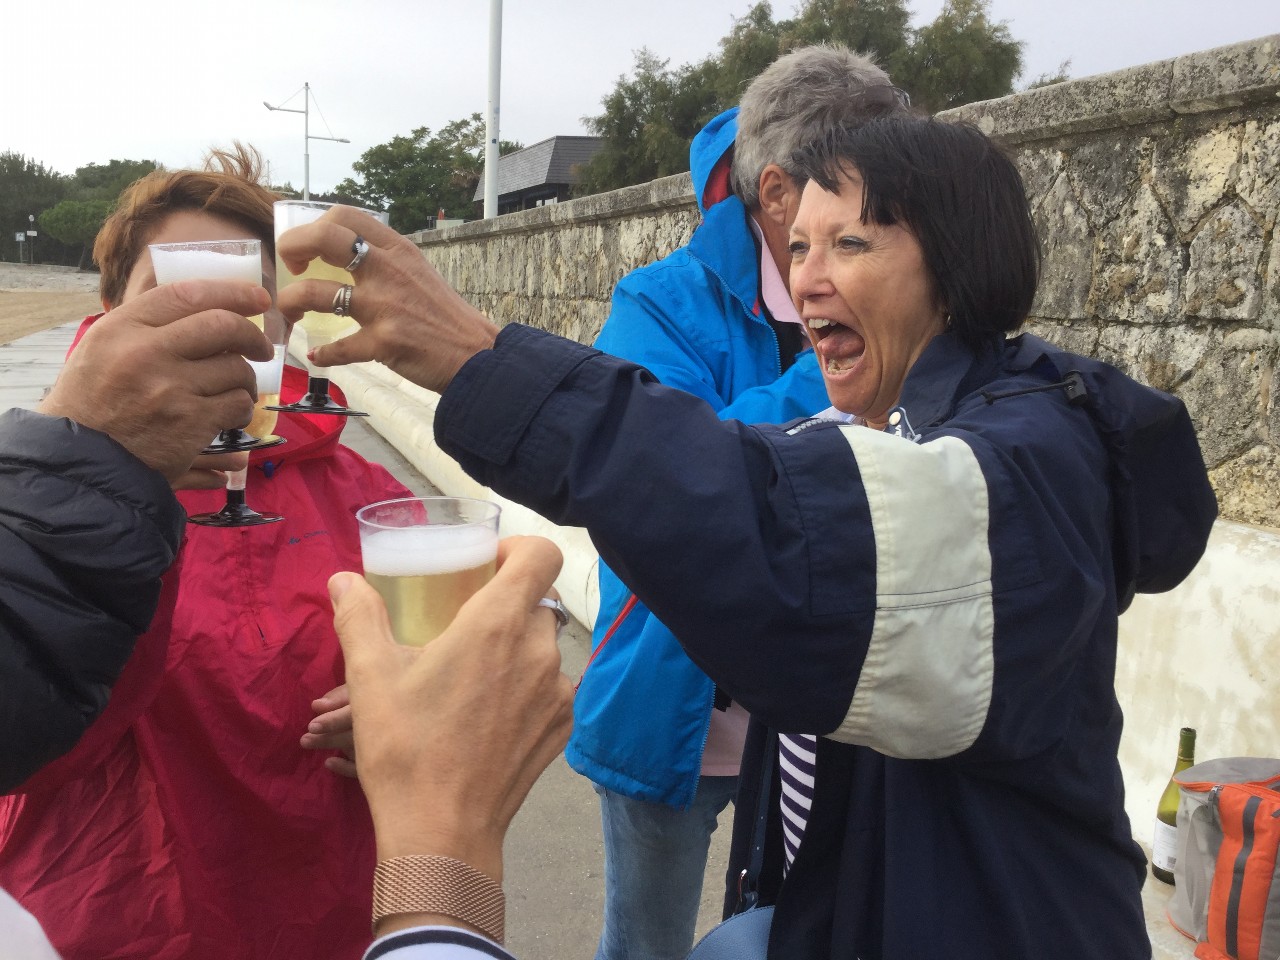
point(430, 550)
point(269, 373)
point(174, 265)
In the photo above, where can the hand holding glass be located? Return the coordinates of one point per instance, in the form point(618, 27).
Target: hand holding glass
point(238, 260)
point(321, 328)
point(222, 260)
point(426, 556)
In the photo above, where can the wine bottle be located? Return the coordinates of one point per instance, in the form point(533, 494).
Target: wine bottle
point(1164, 848)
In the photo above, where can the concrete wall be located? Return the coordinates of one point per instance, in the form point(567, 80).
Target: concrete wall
point(1155, 190)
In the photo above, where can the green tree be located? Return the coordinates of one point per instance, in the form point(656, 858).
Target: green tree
point(651, 116)
point(647, 123)
point(76, 223)
point(754, 42)
point(961, 57)
point(26, 188)
point(418, 175)
point(107, 181)
point(878, 28)
point(1049, 79)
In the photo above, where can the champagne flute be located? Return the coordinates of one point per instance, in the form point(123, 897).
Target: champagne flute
point(426, 556)
point(215, 260)
point(236, 512)
point(321, 328)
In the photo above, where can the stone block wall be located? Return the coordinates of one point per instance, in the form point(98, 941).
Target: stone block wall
point(1155, 190)
point(555, 267)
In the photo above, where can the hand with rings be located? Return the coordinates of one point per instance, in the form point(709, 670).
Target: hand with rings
point(401, 303)
point(451, 736)
point(558, 608)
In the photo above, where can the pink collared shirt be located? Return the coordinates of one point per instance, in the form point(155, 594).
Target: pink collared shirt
point(773, 288)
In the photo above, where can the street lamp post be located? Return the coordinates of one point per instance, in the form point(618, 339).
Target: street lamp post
point(31, 236)
point(307, 136)
point(491, 121)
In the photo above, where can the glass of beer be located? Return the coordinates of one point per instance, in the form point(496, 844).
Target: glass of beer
point(426, 556)
point(220, 260)
point(320, 327)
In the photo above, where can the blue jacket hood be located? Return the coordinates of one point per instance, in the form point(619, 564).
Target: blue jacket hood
point(712, 144)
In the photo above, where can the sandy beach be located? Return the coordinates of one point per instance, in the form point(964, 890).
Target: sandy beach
point(35, 298)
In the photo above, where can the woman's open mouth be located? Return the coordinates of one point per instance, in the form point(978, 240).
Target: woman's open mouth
point(839, 347)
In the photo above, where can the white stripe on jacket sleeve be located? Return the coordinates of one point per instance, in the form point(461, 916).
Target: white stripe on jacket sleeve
point(925, 686)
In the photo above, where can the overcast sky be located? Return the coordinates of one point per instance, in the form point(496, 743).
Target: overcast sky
point(86, 81)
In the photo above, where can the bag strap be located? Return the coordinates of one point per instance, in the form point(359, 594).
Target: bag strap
point(749, 878)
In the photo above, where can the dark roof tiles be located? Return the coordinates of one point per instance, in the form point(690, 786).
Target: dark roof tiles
point(553, 160)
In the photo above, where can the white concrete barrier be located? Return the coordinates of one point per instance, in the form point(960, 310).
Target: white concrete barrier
point(1205, 655)
point(404, 414)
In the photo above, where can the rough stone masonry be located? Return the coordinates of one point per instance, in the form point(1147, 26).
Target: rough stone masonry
point(1155, 190)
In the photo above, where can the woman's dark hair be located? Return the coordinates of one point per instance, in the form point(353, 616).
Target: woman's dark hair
point(962, 198)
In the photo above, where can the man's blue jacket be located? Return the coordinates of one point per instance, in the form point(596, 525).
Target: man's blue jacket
point(696, 321)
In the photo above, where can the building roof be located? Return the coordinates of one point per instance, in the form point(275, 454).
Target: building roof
point(552, 161)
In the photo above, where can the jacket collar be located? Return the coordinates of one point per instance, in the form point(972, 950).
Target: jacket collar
point(946, 371)
point(724, 241)
point(710, 155)
point(725, 244)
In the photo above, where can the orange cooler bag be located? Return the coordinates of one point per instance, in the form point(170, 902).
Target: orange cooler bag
point(1244, 897)
point(1200, 834)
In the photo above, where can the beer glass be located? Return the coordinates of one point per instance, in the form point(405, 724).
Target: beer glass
point(426, 556)
point(321, 328)
point(218, 260)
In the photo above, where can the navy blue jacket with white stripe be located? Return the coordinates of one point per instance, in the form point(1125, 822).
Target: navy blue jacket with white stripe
point(943, 613)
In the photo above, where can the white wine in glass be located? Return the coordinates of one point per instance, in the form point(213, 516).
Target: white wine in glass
point(426, 556)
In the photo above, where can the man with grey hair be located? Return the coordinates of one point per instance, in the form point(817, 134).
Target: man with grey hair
point(713, 318)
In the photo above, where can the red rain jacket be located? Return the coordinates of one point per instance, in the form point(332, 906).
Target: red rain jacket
point(188, 822)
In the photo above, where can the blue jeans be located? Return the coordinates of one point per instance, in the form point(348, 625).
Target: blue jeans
point(654, 860)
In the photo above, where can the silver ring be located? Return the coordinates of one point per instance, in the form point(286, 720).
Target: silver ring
point(342, 301)
point(361, 250)
point(556, 607)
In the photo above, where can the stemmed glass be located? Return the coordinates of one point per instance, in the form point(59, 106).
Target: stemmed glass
point(238, 260)
point(321, 328)
point(215, 260)
point(235, 512)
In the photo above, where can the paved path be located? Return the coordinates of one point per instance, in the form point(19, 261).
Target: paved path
point(554, 857)
point(30, 365)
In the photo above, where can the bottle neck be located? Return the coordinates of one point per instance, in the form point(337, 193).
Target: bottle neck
point(1186, 748)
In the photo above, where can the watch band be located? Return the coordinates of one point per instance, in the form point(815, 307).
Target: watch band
point(439, 885)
